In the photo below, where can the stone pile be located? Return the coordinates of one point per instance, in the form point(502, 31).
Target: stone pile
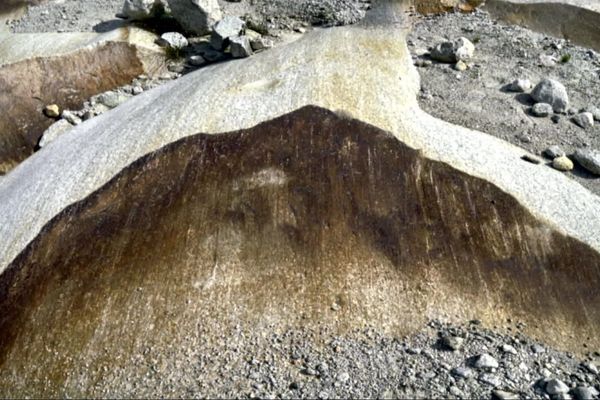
point(551, 99)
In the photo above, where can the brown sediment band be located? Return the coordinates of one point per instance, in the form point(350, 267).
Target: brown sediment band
point(67, 80)
point(275, 223)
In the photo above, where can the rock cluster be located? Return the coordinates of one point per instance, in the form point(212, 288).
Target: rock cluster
point(551, 92)
point(508, 58)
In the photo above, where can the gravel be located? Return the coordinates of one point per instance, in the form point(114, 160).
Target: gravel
point(274, 15)
point(315, 362)
point(480, 99)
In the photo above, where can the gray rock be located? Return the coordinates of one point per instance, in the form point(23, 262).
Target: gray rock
point(460, 49)
point(455, 391)
point(139, 10)
point(463, 372)
point(547, 61)
point(590, 367)
point(423, 63)
point(452, 342)
point(551, 92)
point(55, 130)
point(589, 159)
point(554, 151)
point(504, 395)
point(485, 361)
point(261, 43)
point(343, 377)
point(196, 16)
point(213, 55)
point(520, 85)
point(137, 90)
point(563, 163)
point(71, 117)
point(584, 120)
point(507, 348)
point(585, 393)
point(556, 387)
point(414, 350)
point(111, 99)
point(490, 379)
point(240, 47)
point(536, 348)
point(173, 40)
point(52, 111)
point(224, 30)
point(541, 109)
point(594, 110)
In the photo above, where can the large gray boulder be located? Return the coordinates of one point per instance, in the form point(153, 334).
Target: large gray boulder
point(196, 16)
point(551, 92)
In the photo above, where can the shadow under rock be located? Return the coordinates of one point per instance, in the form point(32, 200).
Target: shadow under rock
point(525, 99)
point(583, 173)
point(107, 26)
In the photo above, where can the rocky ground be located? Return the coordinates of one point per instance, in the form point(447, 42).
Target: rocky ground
point(278, 15)
point(477, 97)
point(443, 361)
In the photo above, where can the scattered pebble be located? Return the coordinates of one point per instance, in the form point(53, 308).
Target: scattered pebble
point(588, 159)
point(452, 342)
point(556, 387)
point(173, 40)
point(562, 163)
point(584, 120)
point(52, 111)
point(71, 117)
point(520, 85)
point(541, 109)
point(507, 348)
point(554, 151)
point(485, 361)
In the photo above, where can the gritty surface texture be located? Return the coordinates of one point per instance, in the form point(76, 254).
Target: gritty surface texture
point(99, 15)
point(476, 99)
point(364, 72)
point(244, 231)
point(239, 362)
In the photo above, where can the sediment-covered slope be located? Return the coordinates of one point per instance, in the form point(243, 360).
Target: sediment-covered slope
point(64, 69)
point(316, 180)
point(269, 227)
point(363, 70)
